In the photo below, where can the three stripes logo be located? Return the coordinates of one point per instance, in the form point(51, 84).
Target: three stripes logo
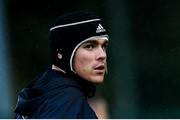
point(100, 29)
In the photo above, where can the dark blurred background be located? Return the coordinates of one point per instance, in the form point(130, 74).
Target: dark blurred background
point(143, 78)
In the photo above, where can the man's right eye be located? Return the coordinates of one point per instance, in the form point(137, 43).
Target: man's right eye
point(89, 46)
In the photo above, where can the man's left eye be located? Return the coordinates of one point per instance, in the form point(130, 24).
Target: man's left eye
point(104, 47)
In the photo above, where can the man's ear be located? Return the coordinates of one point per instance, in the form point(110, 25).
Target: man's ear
point(59, 55)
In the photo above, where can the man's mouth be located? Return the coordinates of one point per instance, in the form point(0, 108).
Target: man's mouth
point(100, 68)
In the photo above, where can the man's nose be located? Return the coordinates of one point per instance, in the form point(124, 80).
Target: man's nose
point(101, 54)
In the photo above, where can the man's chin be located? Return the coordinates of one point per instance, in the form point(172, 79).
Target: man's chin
point(98, 80)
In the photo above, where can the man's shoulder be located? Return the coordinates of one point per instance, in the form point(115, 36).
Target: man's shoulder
point(70, 102)
point(67, 93)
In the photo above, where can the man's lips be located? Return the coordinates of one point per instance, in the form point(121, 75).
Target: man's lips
point(100, 67)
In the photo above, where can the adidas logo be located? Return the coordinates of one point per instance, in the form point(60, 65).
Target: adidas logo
point(100, 29)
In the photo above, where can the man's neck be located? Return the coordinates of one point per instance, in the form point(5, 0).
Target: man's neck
point(54, 67)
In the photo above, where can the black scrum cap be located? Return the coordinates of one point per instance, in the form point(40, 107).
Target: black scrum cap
point(69, 31)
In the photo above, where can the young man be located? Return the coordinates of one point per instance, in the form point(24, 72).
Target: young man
point(78, 44)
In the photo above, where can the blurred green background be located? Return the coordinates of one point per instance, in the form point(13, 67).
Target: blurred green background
point(143, 78)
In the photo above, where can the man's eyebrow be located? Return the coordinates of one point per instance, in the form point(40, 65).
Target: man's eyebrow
point(95, 41)
point(91, 41)
point(106, 42)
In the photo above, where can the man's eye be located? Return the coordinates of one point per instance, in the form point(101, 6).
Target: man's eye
point(104, 46)
point(89, 46)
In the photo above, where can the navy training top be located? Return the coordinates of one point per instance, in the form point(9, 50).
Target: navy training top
point(55, 95)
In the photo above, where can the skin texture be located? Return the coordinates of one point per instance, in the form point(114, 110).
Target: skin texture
point(90, 60)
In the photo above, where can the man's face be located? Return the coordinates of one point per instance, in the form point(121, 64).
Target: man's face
point(90, 60)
